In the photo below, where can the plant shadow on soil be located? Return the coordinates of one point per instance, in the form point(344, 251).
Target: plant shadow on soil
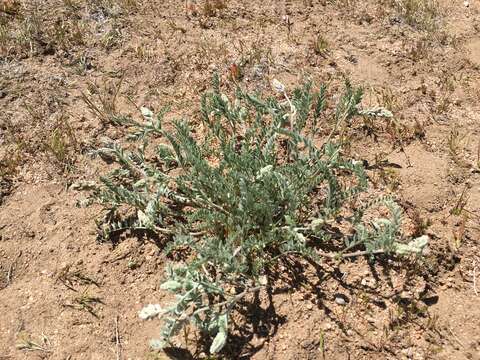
point(257, 319)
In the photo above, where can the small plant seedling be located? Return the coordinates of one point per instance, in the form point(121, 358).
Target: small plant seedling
point(419, 49)
point(85, 302)
point(25, 343)
point(388, 99)
point(321, 46)
point(461, 203)
point(455, 144)
point(432, 323)
point(288, 23)
point(459, 235)
point(390, 177)
point(133, 264)
point(419, 129)
point(62, 144)
point(420, 223)
point(443, 103)
point(102, 101)
point(70, 277)
point(321, 346)
point(112, 38)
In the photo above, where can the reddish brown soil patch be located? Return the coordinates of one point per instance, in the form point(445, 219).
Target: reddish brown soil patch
point(429, 79)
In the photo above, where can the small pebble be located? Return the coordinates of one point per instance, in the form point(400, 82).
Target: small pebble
point(327, 327)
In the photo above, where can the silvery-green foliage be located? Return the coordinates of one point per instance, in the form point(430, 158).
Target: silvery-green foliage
point(378, 111)
point(416, 246)
point(247, 189)
point(380, 233)
point(150, 311)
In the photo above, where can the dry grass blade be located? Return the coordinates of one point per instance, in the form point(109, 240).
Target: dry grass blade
point(461, 203)
point(85, 302)
point(104, 104)
point(475, 277)
point(71, 277)
point(11, 269)
point(117, 340)
point(478, 156)
point(30, 346)
point(26, 344)
point(421, 14)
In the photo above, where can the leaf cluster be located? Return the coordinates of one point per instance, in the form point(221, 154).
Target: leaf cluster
point(245, 188)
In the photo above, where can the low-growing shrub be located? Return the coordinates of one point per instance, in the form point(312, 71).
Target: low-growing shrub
point(239, 191)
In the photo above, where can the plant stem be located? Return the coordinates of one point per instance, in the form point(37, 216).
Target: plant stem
point(352, 254)
point(231, 302)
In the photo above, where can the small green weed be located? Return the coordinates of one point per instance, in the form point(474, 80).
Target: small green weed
point(320, 45)
point(456, 142)
point(62, 144)
point(102, 100)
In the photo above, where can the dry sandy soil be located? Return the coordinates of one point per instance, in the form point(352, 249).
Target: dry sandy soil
point(420, 61)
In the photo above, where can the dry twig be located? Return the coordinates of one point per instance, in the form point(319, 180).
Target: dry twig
point(117, 340)
point(475, 277)
point(12, 268)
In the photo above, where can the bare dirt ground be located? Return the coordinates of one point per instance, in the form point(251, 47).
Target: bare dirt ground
point(63, 295)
